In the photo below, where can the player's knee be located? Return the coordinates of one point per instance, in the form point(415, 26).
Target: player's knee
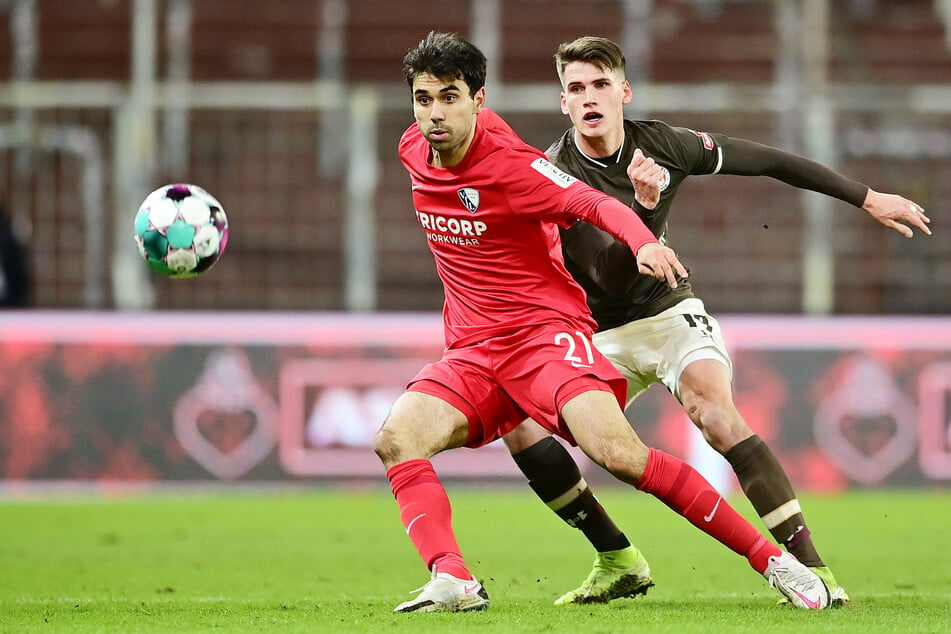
point(395, 443)
point(626, 462)
point(721, 424)
point(407, 434)
point(623, 470)
point(386, 445)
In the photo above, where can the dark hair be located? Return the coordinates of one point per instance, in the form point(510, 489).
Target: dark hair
point(598, 51)
point(446, 56)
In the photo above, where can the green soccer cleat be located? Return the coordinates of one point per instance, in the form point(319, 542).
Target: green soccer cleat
point(839, 597)
point(616, 574)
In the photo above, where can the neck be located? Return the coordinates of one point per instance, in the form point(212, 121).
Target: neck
point(448, 159)
point(599, 147)
point(453, 157)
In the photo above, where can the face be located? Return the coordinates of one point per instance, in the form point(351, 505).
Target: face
point(594, 98)
point(446, 115)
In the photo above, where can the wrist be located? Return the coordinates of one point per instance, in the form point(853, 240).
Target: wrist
point(639, 205)
point(637, 248)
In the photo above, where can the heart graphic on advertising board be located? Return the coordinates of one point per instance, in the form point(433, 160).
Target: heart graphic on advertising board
point(866, 425)
point(226, 422)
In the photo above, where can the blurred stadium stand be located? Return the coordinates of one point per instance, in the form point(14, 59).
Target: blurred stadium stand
point(261, 103)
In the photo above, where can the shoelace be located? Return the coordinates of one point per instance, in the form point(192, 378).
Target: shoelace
point(423, 587)
point(801, 578)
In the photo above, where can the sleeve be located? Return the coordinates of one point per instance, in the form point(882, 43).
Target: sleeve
point(607, 261)
point(538, 188)
point(694, 153)
point(746, 158)
point(610, 214)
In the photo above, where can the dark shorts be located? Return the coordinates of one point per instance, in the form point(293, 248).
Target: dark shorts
point(530, 373)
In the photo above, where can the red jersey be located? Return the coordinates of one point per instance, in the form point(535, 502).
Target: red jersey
point(492, 224)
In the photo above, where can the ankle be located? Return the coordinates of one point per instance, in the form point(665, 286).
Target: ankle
point(452, 564)
point(625, 557)
point(760, 555)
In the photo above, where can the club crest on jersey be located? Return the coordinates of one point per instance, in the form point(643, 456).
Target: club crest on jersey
point(705, 138)
point(665, 179)
point(469, 198)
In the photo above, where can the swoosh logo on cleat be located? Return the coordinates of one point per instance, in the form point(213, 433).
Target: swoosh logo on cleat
point(413, 521)
point(707, 518)
point(812, 605)
point(470, 590)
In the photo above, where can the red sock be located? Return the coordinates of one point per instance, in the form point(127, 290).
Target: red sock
point(427, 515)
point(682, 488)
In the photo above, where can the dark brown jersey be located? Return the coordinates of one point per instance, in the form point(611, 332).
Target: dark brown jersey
point(631, 296)
point(605, 268)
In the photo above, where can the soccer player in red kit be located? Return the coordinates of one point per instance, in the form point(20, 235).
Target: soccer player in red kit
point(518, 330)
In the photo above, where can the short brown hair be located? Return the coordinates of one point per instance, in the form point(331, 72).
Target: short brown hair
point(600, 51)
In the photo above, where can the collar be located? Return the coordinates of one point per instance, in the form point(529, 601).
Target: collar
point(604, 161)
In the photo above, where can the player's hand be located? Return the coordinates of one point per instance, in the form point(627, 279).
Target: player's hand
point(892, 210)
point(659, 261)
point(647, 178)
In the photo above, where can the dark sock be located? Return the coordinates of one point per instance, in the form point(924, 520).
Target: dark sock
point(768, 488)
point(555, 478)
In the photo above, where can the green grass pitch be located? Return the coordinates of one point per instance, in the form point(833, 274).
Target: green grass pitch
point(338, 560)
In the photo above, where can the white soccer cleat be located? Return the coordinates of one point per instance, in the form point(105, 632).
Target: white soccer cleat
point(445, 593)
point(839, 596)
point(799, 584)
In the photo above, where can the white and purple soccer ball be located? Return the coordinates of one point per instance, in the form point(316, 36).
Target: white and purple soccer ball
point(181, 230)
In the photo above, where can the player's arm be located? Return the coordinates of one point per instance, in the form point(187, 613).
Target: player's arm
point(607, 261)
point(746, 158)
point(601, 210)
point(545, 189)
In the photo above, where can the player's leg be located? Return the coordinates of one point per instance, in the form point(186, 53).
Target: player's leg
point(554, 476)
point(418, 427)
point(706, 393)
point(619, 570)
point(601, 430)
point(692, 345)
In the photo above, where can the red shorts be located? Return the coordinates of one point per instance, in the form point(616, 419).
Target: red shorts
point(531, 372)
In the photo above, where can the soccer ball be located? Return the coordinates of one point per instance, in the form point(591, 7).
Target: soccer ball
point(181, 230)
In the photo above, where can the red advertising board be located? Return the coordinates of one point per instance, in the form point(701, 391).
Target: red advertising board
point(174, 396)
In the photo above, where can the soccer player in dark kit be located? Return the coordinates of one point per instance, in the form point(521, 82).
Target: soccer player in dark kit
point(518, 330)
point(655, 333)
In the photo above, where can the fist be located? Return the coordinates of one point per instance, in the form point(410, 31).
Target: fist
point(647, 178)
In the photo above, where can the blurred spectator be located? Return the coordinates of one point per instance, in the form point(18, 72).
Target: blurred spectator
point(13, 266)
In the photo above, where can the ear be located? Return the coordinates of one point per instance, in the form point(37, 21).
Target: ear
point(479, 99)
point(628, 93)
point(564, 103)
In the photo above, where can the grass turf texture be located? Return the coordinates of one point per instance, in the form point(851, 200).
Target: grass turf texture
point(339, 561)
